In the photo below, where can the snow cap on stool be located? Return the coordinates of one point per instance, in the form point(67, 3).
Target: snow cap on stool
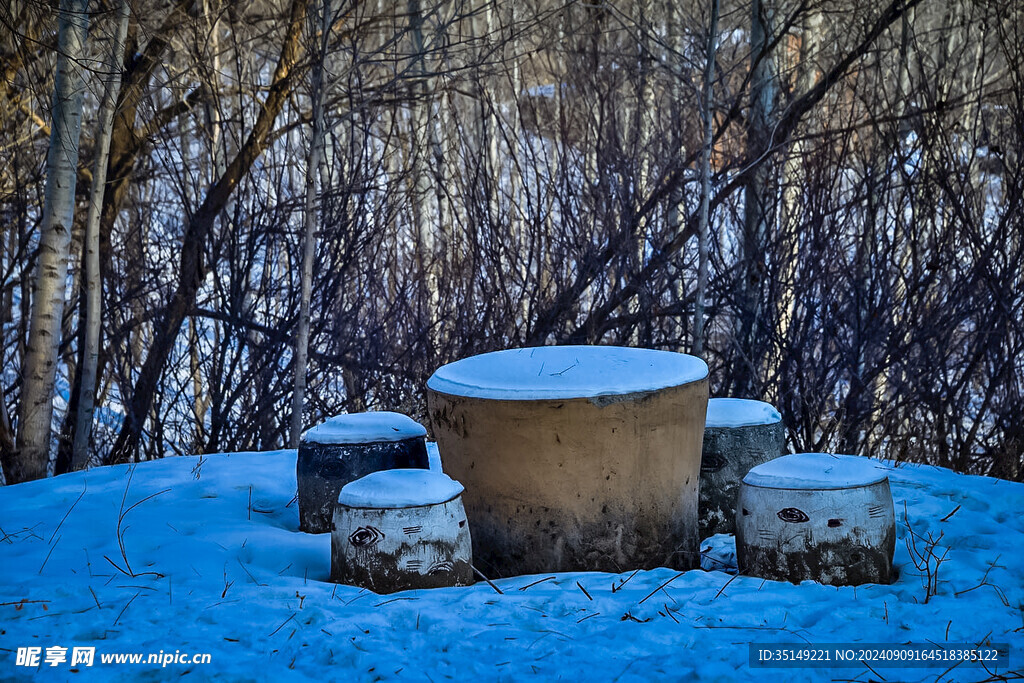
point(373, 427)
point(401, 488)
point(816, 471)
point(740, 412)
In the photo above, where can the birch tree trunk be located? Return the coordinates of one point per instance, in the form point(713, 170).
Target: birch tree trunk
point(424, 196)
point(793, 175)
point(489, 135)
point(758, 197)
point(35, 412)
point(6, 431)
point(215, 165)
point(91, 247)
point(310, 219)
point(645, 109)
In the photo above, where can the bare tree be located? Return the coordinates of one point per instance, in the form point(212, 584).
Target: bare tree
point(91, 246)
point(547, 166)
point(32, 452)
point(310, 218)
point(192, 270)
point(707, 114)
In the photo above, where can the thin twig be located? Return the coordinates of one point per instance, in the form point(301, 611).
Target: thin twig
point(624, 581)
point(880, 676)
point(381, 604)
point(121, 529)
point(529, 585)
point(489, 582)
point(724, 587)
point(125, 607)
point(950, 514)
point(68, 513)
point(283, 624)
point(249, 574)
point(47, 558)
point(662, 586)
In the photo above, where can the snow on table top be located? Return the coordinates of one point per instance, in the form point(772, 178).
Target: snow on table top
point(399, 488)
point(221, 568)
point(740, 412)
point(365, 428)
point(817, 471)
point(556, 372)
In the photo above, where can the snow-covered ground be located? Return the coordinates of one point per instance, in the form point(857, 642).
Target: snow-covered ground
point(210, 562)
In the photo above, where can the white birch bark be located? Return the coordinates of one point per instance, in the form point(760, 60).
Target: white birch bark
point(91, 246)
point(677, 41)
point(901, 239)
point(311, 216)
point(39, 369)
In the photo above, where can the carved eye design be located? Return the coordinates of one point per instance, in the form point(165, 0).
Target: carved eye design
point(792, 515)
point(365, 536)
point(441, 567)
point(712, 462)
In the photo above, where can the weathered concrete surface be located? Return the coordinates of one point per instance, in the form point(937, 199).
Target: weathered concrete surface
point(728, 454)
point(388, 550)
point(321, 470)
point(838, 537)
point(577, 484)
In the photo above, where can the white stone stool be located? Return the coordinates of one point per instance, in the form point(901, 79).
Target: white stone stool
point(819, 517)
point(739, 434)
point(346, 447)
point(401, 529)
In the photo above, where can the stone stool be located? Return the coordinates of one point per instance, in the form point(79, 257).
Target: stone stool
point(346, 447)
point(739, 434)
point(401, 529)
point(818, 517)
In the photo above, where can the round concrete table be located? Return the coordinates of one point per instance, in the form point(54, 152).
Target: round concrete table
point(575, 458)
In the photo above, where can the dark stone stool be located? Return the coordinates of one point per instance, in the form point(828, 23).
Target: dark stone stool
point(345, 448)
point(739, 434)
